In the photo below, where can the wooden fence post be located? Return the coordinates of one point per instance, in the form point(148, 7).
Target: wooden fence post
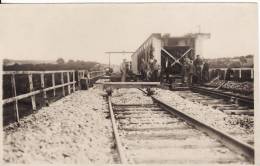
point(62, 82)
point(73, 79)
point(31, 90)
point(68, 81)
point(44, 92)
point(16, 101)
point(225, 73)
point(79, 79)
point(53, 83)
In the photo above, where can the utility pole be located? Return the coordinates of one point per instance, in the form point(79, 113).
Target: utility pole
point(116, 52)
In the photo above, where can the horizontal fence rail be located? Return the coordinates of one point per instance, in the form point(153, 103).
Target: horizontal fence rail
point(70, 85)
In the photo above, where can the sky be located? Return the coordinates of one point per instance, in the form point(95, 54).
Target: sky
point(86, 31)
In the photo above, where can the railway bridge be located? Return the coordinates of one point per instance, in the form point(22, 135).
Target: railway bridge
point(125, 125)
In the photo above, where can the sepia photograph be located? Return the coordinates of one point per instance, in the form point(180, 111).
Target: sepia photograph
point(129, 83)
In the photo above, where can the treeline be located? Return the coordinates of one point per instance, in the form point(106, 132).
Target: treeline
point(60, 65)
point(236, 62)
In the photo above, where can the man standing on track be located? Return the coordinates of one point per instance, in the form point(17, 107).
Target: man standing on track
point(205, 72)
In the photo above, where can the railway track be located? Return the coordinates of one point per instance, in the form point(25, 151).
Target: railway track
point(238, 99)
point(226, 104)
point(157, 133)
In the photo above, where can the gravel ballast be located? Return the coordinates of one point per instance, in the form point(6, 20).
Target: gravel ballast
point(72, 130)
point(208, 115)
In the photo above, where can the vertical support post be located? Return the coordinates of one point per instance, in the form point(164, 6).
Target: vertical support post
point(79, 73)
point(31, 89)
point(16, 101)
point(89, 78)
point(68, 81)
point(239, 72)
point(44, 92)
point(62, 83)
point(252, 73)
point(225, 73)
point(53, 83)
point(73, 79)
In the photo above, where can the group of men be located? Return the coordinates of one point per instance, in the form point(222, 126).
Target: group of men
point(195, 71)
point(149, 70)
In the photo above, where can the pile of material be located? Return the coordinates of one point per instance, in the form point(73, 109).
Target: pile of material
point(216, 83)
point(244, 121)
point(73, 130)
point(240, 87)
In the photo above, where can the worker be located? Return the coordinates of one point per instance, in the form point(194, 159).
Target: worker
point(198, 67)
point(155, 69)
point(191, 72)
point(167, 71)
point(205, 72)
point(186, 69)
point(123, 70)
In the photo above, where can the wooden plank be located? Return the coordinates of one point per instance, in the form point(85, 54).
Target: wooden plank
point(35, 72)
point(68, 81)
point(239, 112)
point(31, 90)
point(96, 77)
point(130, 84)
point(53, 84)
point(62, 82)
point(12, 99)
point(14, 94)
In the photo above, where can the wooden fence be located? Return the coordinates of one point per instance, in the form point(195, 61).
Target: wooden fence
point(70, 85)
point(224, 71)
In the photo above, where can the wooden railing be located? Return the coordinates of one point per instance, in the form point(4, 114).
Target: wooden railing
point(70, 85)
point(234, 69)
point(90, 75)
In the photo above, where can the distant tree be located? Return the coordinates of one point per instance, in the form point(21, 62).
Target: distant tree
point(235, 64)
point(249, 56)
point(70, 61)
point(243, 60)
point(60, 61)
point(6, 61)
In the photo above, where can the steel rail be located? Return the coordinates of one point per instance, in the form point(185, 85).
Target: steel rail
point(117, 139)
point(225, 95)
point(226, 139)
